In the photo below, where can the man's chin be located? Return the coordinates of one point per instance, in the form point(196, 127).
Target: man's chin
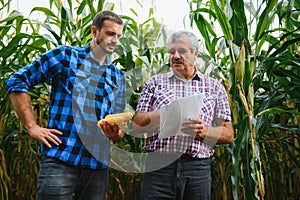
point(110, 50)
point(177, 65)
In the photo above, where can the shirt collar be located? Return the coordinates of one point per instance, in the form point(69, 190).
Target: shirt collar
point(88, 50)
point(197, 76)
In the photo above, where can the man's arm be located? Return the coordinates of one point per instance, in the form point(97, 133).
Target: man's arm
point(22, 106)
point(146, 121)
point(223, 132)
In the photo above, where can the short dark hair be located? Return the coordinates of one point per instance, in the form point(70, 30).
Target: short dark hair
point(106, 15)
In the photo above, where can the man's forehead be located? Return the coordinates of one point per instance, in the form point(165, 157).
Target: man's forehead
point(178, 44)
point(111, 22)
point(109, 25)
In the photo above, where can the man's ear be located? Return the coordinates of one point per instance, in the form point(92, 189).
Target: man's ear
point(94, 31)
point(196, 53)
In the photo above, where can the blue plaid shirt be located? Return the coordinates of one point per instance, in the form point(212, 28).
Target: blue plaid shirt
point(82, 92)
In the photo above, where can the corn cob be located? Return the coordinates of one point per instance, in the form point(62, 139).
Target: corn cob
point(118, 119)
point(125, 115)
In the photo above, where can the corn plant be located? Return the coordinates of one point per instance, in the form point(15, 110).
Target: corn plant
point(262, 85)
point(259, 67)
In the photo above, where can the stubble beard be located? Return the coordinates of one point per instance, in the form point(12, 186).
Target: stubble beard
point(104, 47)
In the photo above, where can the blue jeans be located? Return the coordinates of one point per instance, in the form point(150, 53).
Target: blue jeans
point(60, 181)
point(181, 180)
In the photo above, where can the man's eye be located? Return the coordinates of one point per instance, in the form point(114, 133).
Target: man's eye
point(179, 51)
point(182, 51)
point(172, 51)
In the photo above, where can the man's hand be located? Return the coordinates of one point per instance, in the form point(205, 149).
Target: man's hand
point(45, 135)
point(113, 132)
point(196, 128)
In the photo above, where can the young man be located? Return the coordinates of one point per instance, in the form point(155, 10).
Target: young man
point(188, 176)
point(86, 86)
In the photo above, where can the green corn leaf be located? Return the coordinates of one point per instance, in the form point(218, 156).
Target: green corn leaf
point(64, 21)
point(202, 26)
point(12, 16)
point(223, 21)
point(46, 11)
point(81, 7)
point(264, 22)
point(277, 110)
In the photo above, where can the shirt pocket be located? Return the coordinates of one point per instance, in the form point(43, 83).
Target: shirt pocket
point(81, 81)
point(110, 89)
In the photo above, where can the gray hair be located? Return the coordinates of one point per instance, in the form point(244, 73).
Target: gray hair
point(185, 35)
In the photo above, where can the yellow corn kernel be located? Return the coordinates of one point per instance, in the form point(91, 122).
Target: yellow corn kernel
point(125, 115)
point(111, 121)
point(118, 119)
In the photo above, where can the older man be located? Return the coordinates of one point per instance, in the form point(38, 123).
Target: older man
point(189, 175)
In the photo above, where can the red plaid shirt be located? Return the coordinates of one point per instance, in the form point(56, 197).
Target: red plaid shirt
point(161, 89)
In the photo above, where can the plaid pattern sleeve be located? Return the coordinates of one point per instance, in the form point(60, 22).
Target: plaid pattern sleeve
point(82, 92)
point(145, 101)
point(222, 107)
point(46, 67)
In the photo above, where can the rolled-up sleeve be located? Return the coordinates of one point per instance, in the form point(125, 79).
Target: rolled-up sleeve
point(223, 107)
point(145, 101)
point(36, 72)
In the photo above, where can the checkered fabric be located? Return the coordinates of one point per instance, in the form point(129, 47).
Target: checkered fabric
point(162, 89)
point(82, 92)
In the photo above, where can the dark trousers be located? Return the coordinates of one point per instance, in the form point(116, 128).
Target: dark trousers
point(184, 179)
point(60, 181)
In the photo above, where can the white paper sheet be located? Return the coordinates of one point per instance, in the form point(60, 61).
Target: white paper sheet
point(177, 112)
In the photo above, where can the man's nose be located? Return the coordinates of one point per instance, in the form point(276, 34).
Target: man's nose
point(115, 38)
point(176, 54)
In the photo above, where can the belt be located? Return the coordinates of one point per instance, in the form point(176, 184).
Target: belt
point(187, 157)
